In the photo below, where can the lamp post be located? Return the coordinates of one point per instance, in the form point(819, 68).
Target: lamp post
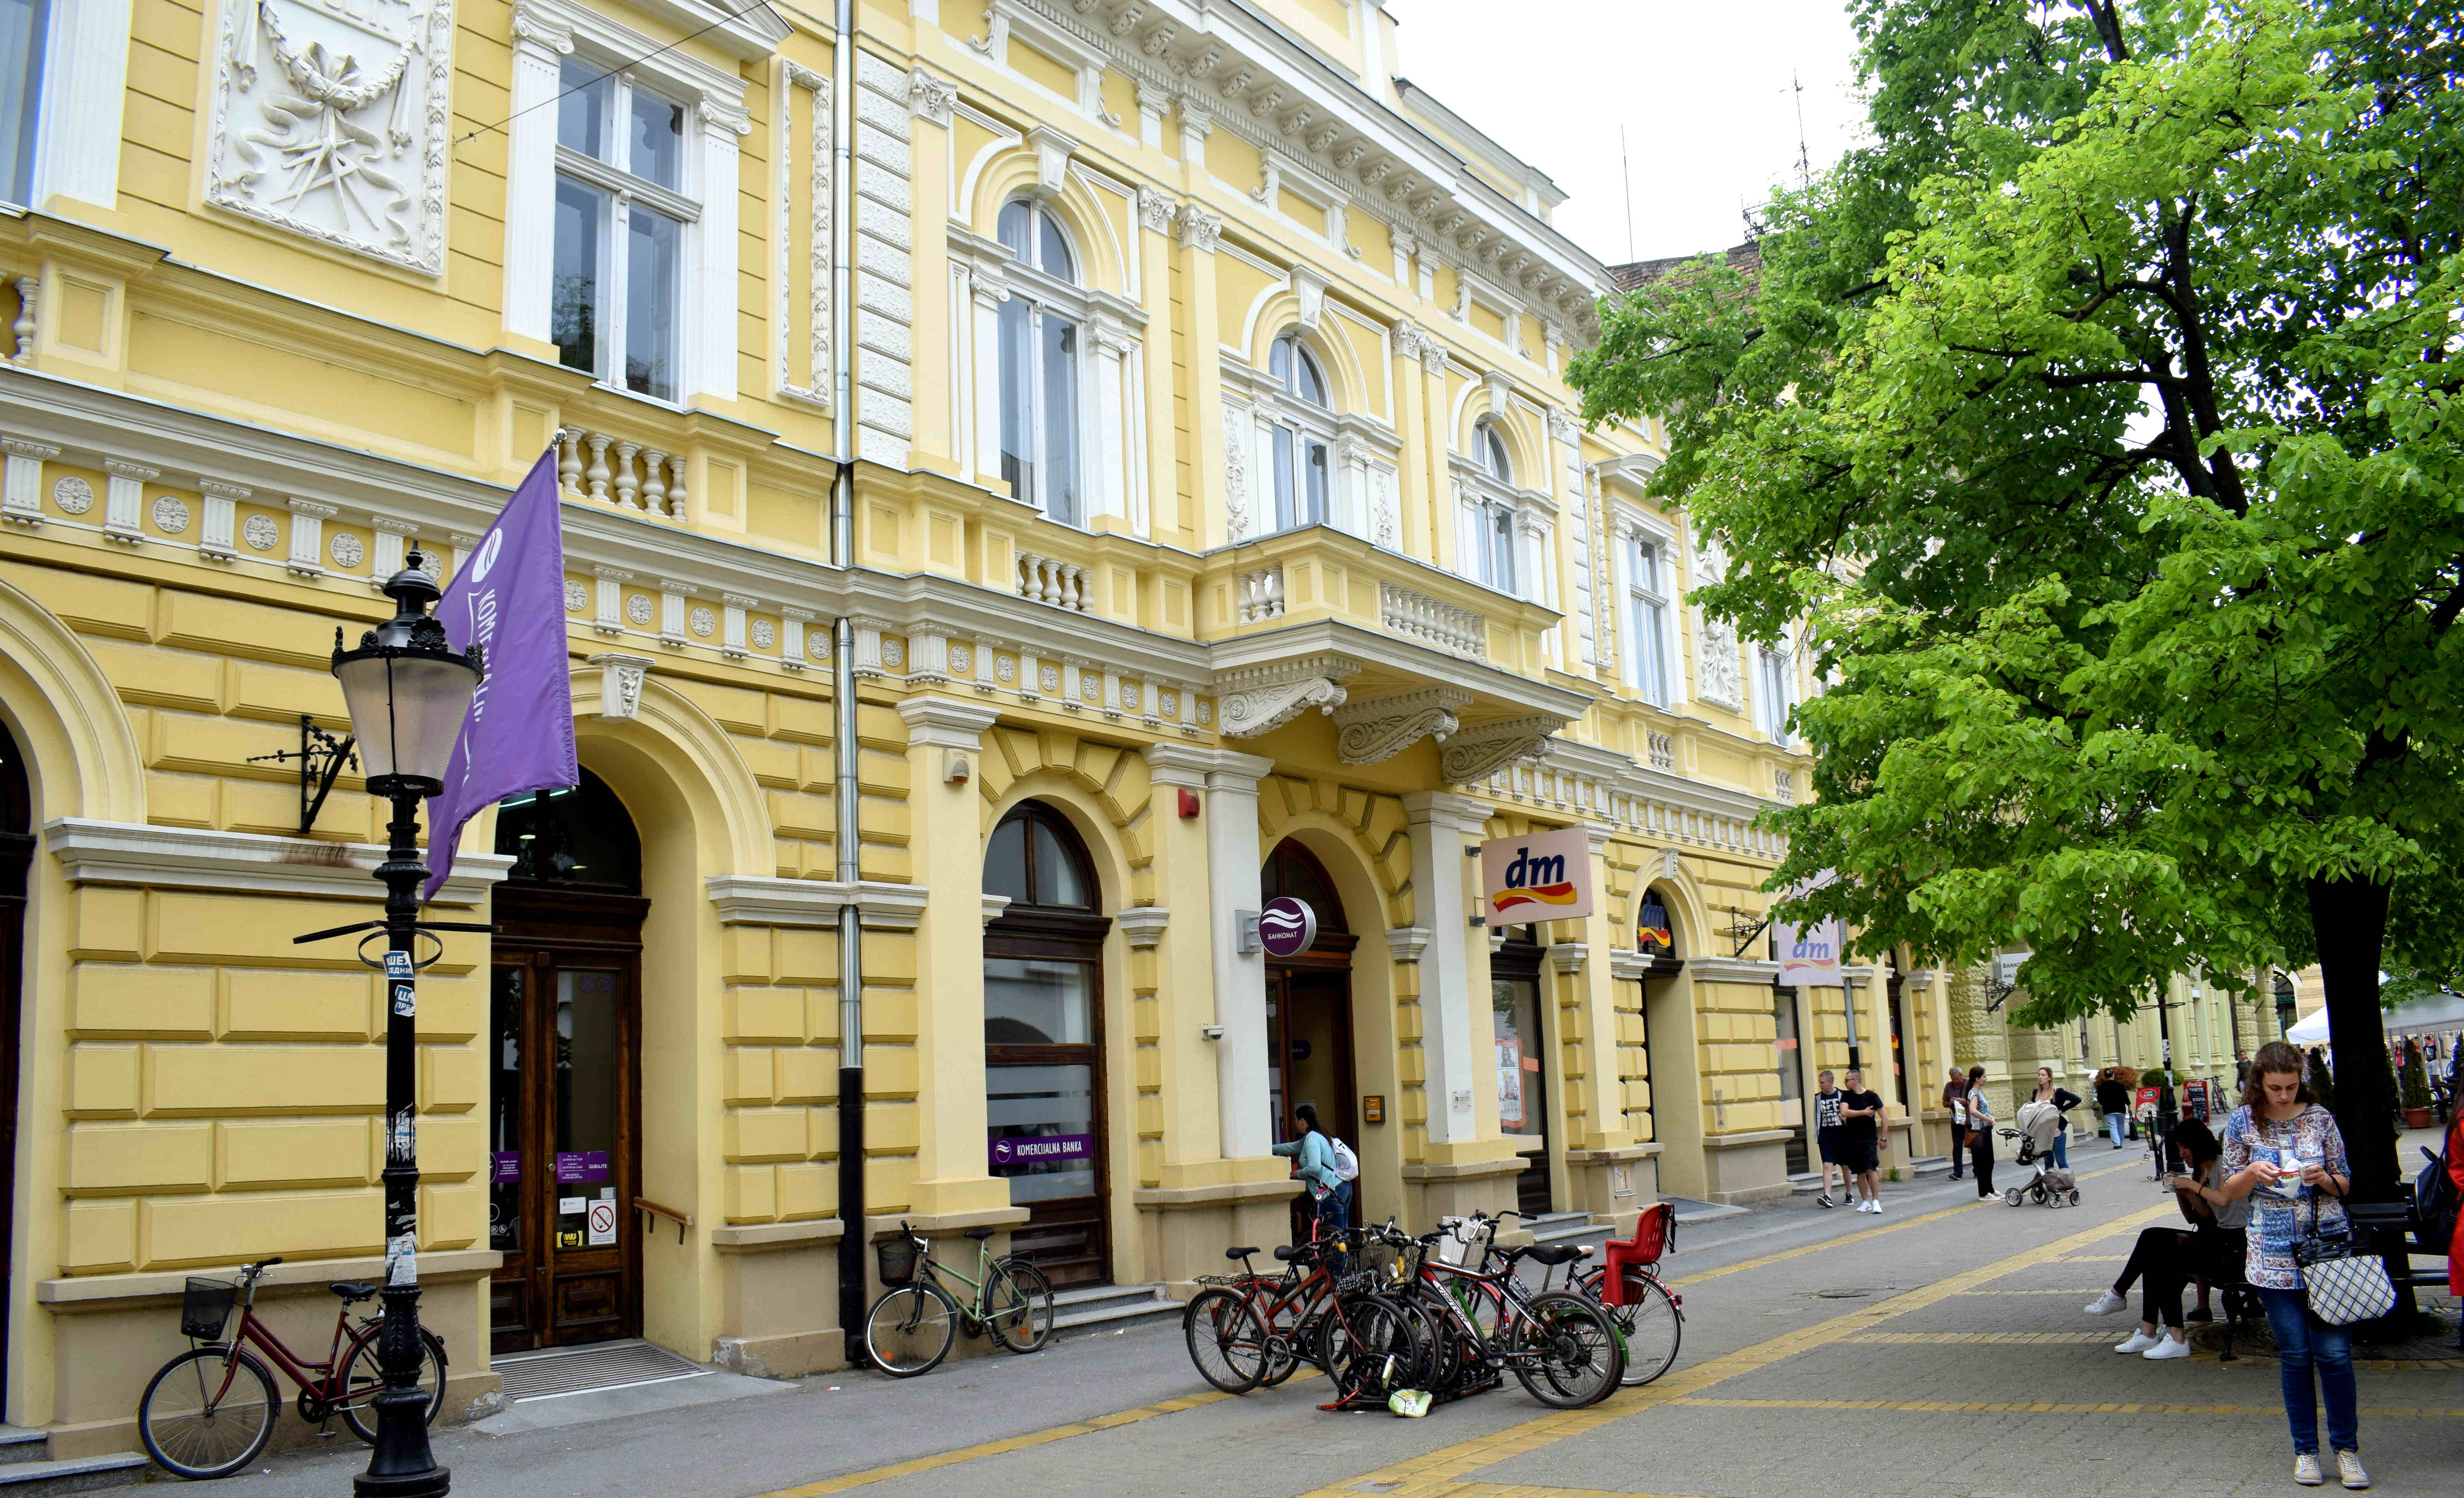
point(407, 693)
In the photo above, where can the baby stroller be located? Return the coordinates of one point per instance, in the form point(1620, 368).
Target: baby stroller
point(2039, 1123)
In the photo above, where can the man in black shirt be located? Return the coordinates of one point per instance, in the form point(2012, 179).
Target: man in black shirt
point(1860, 1129)
point(1826, 1139)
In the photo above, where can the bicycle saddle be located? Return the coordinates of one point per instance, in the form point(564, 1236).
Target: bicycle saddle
point(1286, 1253)
point(352, 1290)
point(1550, 1255)
point(981, 1232)
point(1236, 1255)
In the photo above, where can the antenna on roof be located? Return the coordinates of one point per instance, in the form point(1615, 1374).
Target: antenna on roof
point(1804, 157)
point(1625, 160)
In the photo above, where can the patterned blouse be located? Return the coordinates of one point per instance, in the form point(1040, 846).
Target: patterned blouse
point(2277, 1221)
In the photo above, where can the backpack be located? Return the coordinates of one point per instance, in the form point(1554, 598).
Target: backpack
point(1347, 1165)
point(2434, 1203)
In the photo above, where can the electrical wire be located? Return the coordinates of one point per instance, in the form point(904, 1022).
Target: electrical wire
point(732, 15)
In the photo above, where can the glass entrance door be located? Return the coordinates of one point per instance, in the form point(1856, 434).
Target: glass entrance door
point(1042, 1118)
point(561, 1171)
point(1523, 1081)
point(1792, 1079)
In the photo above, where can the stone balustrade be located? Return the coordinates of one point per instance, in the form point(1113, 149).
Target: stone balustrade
point(1262, 594)
point(1048, 580)
point(630, 476)
point(1433, 622)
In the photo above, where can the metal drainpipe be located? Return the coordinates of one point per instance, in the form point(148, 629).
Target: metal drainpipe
point(854, 1242)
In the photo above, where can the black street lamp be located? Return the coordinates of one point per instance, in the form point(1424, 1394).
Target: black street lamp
point(407, 693)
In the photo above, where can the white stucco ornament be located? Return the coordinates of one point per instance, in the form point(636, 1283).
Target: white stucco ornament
point(330, 121)
point(765, 634)
point(259, 532)
point(704, 622)
point(347, 549)
point(72, 494)
point(170, 515)
point(637, 609)
point(577, 597)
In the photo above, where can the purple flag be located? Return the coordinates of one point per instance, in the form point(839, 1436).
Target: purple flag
point(508, 600)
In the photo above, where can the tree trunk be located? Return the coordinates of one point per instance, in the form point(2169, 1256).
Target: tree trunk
point(2348, 920)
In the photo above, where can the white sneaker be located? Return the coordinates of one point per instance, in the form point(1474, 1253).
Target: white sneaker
point(2168, 1348)
point(1876, 1207)
point(2106, 1304)
point(2139, 1342)
point(2349, 1464)
point(2305, 1470)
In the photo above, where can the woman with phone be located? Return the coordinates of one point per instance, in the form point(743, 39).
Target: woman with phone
point(2165, 1259)
point(2284, 1152)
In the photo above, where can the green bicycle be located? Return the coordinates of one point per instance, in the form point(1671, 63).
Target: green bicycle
point(915, 1322)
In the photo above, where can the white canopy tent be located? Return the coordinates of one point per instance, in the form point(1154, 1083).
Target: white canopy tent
point(2440, 1015)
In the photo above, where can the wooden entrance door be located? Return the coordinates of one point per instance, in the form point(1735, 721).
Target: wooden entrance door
point(565, 1117)
point(16, 859)
point(1521, 1023)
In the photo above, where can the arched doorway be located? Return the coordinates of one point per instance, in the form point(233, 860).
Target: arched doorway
point(1309, 1012)
point(1043, 1041)
point(1520, 1019)
point(564, 1070)
point(17, 860)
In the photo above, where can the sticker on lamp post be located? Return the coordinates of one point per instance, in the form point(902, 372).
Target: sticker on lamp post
point(1287, 927)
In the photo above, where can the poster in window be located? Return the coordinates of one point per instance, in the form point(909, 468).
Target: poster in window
point(1509, 1084)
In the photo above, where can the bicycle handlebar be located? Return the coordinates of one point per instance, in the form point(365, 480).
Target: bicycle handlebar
point(254, 1270)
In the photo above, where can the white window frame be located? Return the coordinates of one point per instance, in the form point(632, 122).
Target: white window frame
point(1283, 410)
point(626, 192)
point(85, 46)
point(1774, 691)
point(1502, 536)
point(1045, 292)
point(546, 33)
point(1650, 660)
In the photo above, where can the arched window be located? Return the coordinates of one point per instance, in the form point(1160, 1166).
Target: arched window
point(580, 837)
point(1302, 435)
point(1034, 858)
point(1494, 544)
point(1040, 364)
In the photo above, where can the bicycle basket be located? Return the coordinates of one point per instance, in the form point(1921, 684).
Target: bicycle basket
point(898, 1257)
point(205, 1306)
point(1463, 1242)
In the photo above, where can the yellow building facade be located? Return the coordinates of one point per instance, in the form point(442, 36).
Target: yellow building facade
point(1219, 529)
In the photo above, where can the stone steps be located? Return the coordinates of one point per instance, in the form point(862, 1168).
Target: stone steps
point(1111, 1307)
point(29, 1470)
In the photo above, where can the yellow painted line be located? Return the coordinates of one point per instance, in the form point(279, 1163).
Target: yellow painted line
point(2038, 1407)
point(1442, 1473)
point(1041, 1438)
point(1974, 1338)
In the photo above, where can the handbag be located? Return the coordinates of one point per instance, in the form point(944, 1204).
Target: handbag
point(2340, 1282)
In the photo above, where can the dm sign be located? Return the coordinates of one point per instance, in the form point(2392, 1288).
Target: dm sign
point(1542, 876)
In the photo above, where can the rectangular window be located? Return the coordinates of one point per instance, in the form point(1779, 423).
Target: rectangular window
point(24, 25)
point(1017, 393)
point(620, 227)
point(1284, 505)
point(1060, 398)
point(1501, 550)
point(1316, 512)
point(577, 316)
point(1775, 694)
point(1647, 649)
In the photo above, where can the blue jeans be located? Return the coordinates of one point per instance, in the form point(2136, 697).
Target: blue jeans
point(2303, 1342)
point(2062, 1148)
point(2119, 1126)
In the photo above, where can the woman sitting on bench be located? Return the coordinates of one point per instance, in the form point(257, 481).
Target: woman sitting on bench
point(2166, 1258)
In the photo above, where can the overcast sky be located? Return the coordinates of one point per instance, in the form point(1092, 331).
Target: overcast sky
point(1702, 90)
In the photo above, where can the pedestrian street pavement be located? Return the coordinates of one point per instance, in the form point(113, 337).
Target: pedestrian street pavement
point(1938, 1350)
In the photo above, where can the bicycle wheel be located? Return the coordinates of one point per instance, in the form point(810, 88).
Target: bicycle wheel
point(1365, 1344)
point(911, 1329)
point(1285, 1336)
point(1018, 1305)
point(363, 1374)
point(1649, 1323)
point(1226, 1340)
point(1569, 1353)
point(207, 1412)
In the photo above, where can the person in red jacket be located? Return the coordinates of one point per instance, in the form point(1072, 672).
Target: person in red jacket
point(2456, 1173)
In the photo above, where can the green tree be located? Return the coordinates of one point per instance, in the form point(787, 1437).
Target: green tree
point(2102, 415)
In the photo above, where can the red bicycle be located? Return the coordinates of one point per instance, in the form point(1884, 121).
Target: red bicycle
point(211, 1410)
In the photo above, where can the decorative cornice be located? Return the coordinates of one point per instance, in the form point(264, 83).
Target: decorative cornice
point(1376, 729)
point(1201, 769)
point(244, 863)
point(761, 900)
point(1406, 943)
point(948, 722)
point(1569, 957)
point(1142, 924)
point(994, 905)
point(1760, 973)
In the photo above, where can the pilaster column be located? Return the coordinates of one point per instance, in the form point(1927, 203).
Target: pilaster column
point(988, 291)
point(946, 844)
point(1114, 439)
point(1199, 232)
point(1233, 866)
point(1165, 518)
point(717, 283)
point(1193, 1116)
point(1595, 980)
point(539, 44)
point(1442, 825)
point(942, 408)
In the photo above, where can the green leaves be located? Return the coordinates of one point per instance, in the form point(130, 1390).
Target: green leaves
point(2119, 378)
